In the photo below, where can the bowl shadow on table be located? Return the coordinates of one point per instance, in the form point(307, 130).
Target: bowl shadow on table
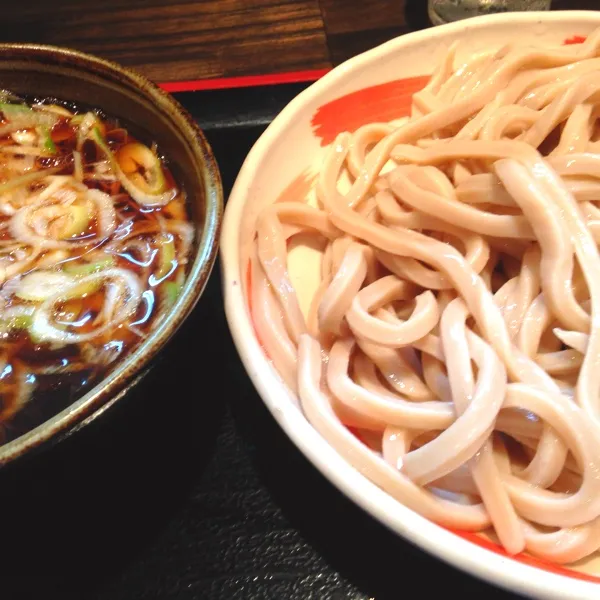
point(76, 515)
point(364, 552)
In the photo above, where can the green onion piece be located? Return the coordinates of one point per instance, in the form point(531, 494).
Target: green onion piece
point(6, 97)
point(134, 155)
point(49, 145)
point(36, 286)
point(81, 117)
point(84, 124)
point(26, 179)
point(171, 291)
point(34, 336)
point(141, 197)
point(23, 117)
point(103, 145)
point(17, 322)
point(167, 255)
point(83, 269)
point(16, 318)
point(79, 220)
point(14, 110)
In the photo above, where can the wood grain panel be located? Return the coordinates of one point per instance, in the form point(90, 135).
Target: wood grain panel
point(180, 39)
point(358, 15)
point(171, 40)
point(353, 26)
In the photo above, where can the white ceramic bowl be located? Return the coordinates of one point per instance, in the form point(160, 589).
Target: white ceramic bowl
point(281, 162)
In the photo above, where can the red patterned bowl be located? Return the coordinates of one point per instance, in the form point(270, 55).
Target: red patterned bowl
point(373, 87)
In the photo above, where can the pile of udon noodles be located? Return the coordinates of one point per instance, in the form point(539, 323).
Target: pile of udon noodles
point(452, 350)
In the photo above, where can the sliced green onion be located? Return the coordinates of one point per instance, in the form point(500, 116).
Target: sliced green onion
point(14, 110)
point(17, 322)
point(171, 291)
point(86, 119)
point(83, 269)
point(141, 197)
point(55, 108)
point(97, 135)
point(79, 221)
point(48, 143)
point(16, 318)
point(85, 124)
point(76, 119)
point(23, 117)
point(39, 285)
point(167, 255)
point(26, 179)
point(43, 327)
point(83, 289)
point(6, 97)
point(135, 154)
point(77, 165)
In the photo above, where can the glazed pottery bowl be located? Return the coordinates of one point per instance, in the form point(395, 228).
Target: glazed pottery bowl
point(148, 113)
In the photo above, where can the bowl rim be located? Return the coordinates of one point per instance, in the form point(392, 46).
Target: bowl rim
point(437, 541)
point(130, 370)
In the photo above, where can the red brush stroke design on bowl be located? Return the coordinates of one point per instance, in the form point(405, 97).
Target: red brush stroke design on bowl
point(576, 39)
point(377, 103)
point(526, 559)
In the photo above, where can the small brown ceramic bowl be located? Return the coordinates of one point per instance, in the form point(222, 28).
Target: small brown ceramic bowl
point(147, 111)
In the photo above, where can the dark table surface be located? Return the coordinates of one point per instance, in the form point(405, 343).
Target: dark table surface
point(188, 489)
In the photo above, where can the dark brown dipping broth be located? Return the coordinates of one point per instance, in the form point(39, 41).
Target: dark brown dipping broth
point(106, 267)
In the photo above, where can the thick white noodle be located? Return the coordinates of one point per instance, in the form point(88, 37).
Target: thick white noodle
point(452, 350)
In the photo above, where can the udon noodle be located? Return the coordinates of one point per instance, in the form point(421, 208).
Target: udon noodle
point(94, 243)
point(452, 350)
